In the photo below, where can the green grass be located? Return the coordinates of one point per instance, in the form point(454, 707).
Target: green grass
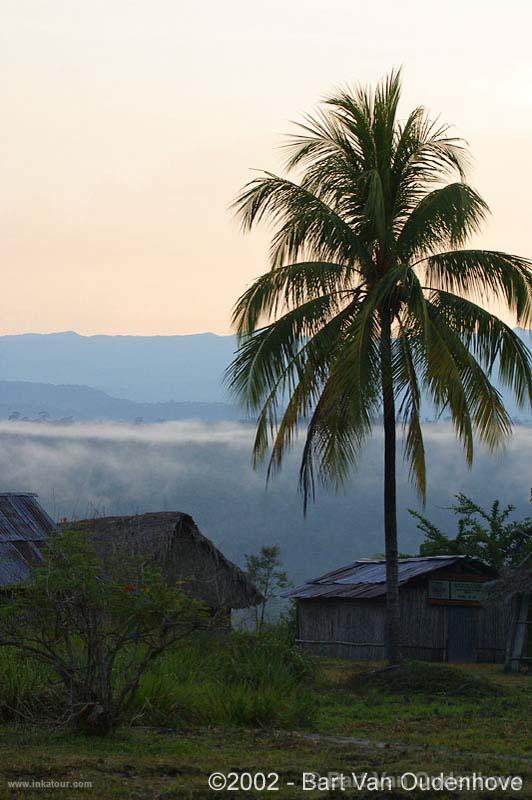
point(421, 678)
point(242, 680)
point(26, 686)
point(254, 703)
point(146, 764)
point(475, 708)
point(248, 680)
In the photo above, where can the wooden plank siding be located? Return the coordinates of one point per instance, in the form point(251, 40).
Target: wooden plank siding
point(355, 628)
point(341, 628)
point(493, 625)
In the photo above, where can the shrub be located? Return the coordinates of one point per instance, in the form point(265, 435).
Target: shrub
point(94, 627)
point(207, 679)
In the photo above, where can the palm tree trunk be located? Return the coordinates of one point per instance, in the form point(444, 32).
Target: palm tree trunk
point(392, 632)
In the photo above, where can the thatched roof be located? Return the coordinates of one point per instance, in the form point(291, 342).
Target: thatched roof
point(516, 581)
point(175, 543)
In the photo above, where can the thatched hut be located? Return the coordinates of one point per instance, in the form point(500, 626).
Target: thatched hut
point(173, 541)
point(514, 590)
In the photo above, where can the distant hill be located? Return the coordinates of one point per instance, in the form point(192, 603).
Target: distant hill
point(23, 399)
point(171, 370)
point(142, 368)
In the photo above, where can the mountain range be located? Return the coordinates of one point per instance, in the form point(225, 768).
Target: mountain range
point(44, 401)
point(146, 369)
point(127, 378)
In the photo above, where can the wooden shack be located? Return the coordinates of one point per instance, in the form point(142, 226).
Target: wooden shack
point(342, 613)
point(173, 541)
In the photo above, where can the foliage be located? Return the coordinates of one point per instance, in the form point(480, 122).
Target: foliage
point(377, 227)
point(426, 732)
point(28, 688)
point(485, 534)
point(95, 627)
point(266, 574)
point(251, 679)
point(372, 300)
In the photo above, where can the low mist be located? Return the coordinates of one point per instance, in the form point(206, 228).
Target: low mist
point(205, 470)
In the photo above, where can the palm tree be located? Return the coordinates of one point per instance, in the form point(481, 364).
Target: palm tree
point(369, 302)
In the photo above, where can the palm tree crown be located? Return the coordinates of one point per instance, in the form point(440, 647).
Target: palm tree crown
point(371, 299)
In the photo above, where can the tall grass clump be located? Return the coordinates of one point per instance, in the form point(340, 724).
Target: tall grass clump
point(27, 687)
point(249, 679)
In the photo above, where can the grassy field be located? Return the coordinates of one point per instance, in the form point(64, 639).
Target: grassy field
point(149, 764)
point(336, 716)
point(477, 708)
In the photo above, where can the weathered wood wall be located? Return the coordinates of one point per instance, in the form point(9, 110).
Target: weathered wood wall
point(355, 628)
point(341, 628)
point(493, 625)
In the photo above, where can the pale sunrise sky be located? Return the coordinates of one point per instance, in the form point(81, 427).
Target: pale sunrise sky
point(128, 126)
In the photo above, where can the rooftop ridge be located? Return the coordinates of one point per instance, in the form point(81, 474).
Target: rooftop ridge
point(18, 494)
point(367, 577)
point(413, 558)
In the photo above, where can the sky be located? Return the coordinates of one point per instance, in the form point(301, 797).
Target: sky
point(128, 127)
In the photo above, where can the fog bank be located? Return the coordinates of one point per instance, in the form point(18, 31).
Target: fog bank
point(205, 470)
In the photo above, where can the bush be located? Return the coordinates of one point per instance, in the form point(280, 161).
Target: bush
point(94, 626)
point(242, 679)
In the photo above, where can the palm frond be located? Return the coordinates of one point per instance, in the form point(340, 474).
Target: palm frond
point(455, 376)
point(306, 224)
point(270, 353)
point(437, 369)
point(344, 414)
point(311, 377)
point(491, 340)
point(488, 274)
point(290, 286)
point(445, 217)
point(425, 154)
point(322, 139)
point(304, 375)
point(353, 112)
point(407, 388)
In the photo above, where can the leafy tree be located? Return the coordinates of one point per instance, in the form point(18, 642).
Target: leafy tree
point(97, 626)
point(484, 534)
point(369, 302)
point(265, 572)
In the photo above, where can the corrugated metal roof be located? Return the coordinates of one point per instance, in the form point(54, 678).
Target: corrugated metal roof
point(366, 578)
point(313, 590)
point(23, 525)
point(23, 519)
point(13, 566)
